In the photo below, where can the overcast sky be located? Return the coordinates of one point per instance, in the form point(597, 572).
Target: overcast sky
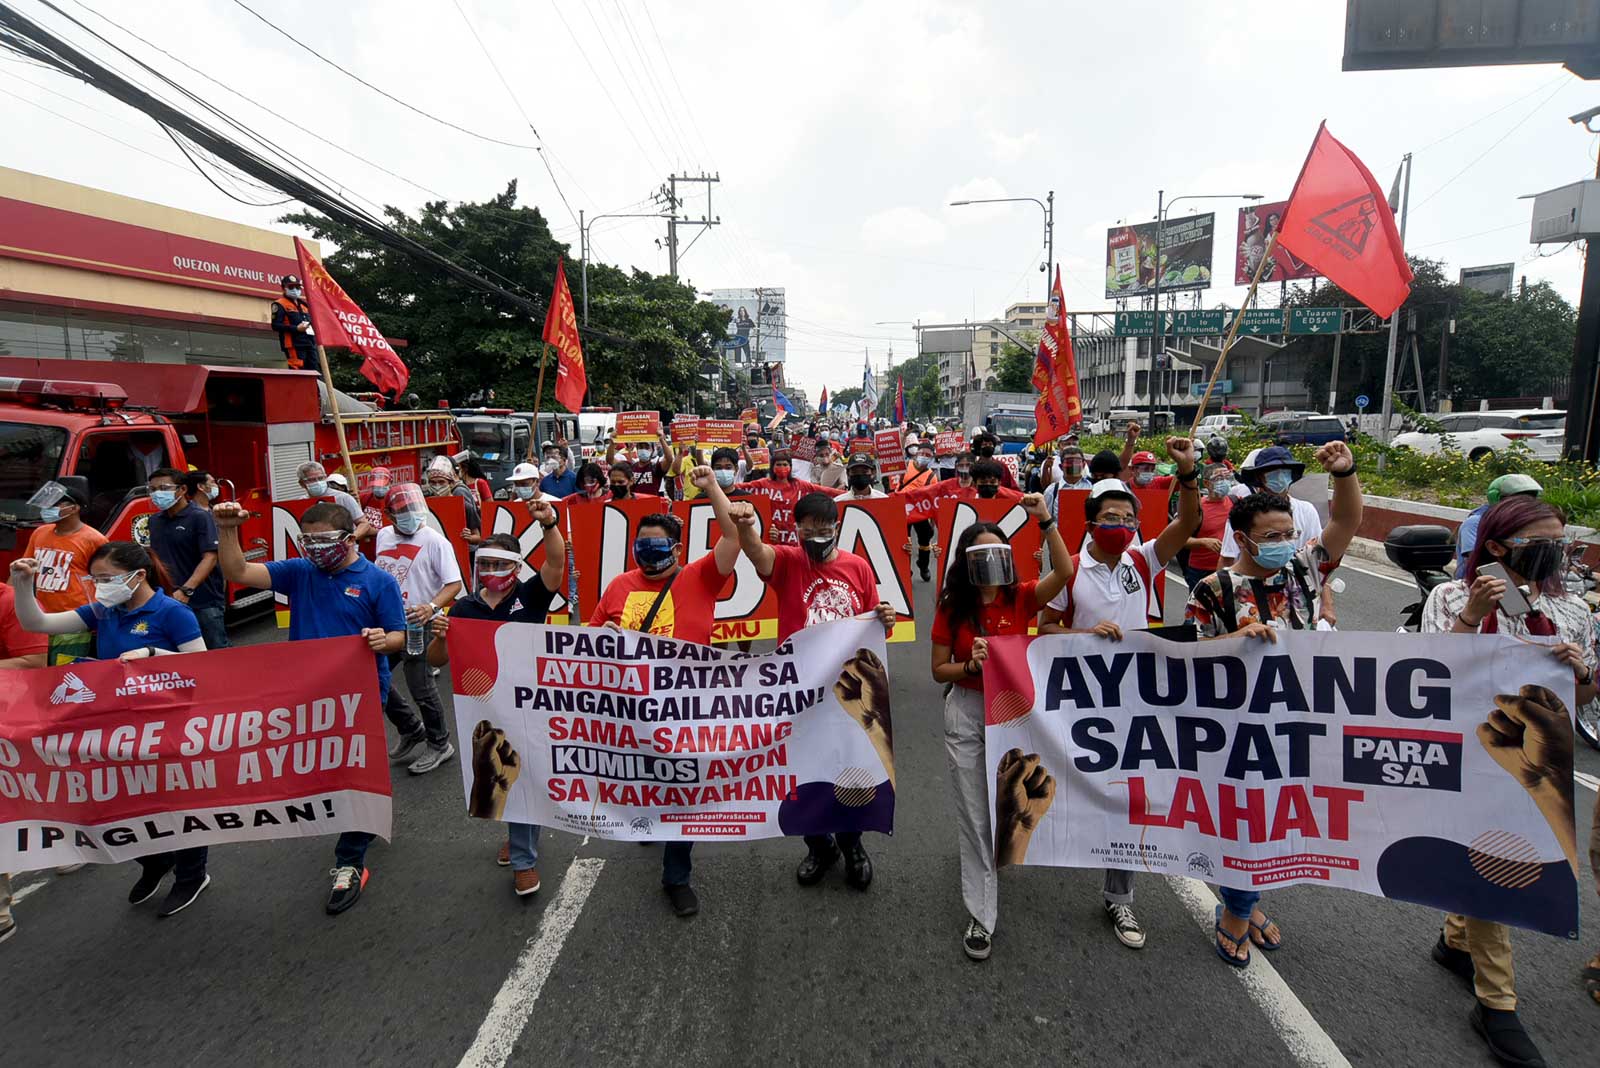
point(840, 132)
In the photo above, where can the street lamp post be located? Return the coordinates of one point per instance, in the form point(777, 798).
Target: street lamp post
point(583, 246)
point(1048, 206)
point(1158, 339)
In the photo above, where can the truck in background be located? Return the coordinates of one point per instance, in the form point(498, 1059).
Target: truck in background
point(1008, 416)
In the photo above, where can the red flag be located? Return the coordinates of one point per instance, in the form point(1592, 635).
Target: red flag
point(1059, 407)
point(822, 407)
point(561, 330)
point(338, 321)
point(1339, 221)
point(899, 399)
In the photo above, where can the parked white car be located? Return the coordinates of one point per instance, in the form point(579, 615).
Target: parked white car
point(1219, 425)
point(1477, 434)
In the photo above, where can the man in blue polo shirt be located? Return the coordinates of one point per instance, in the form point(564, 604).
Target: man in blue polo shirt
point(333, 592)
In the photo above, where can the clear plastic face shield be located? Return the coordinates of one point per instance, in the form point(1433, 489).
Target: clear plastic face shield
point(990, 565)
point(407, 507)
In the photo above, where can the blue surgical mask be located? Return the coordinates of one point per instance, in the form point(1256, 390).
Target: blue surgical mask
point(653, 554)
point(1277, 481)
point(317, 489)
point(380, 492)
point(1274, 555)
point(213, 492)
point(164, 498)
point(725, 476)
point(1222, 487)
point(524, 493)
point(408, 523)
point(49, 515)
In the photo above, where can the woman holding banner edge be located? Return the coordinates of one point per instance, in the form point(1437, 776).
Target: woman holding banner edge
point(982, 598)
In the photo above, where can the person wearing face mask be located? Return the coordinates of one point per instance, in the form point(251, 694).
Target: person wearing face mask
point(525, 482)
point(443, 481)
point(1216, 503)
point(827, 470)
point(333, 592)
point(861, 472)
point(184, 536)
point(1528, 538)
point(132, 619)
point(502, 597)
point(201, 489)
point(982, 599)
point(313, 478)
point(62, 547)
point(1273, 470)
point(1142, 473)
point(725, 469)
point(922, 476)
point(1066, 473)
point(379, 481)
point(985, 446)
point(816, 583)
point(988, 482)
point(1274, 586)
point(661, 596)
point(423, 563)
point(1113, 591)
point(962, 470)
point(291, 318)
point(557, 468)
point(783, 489)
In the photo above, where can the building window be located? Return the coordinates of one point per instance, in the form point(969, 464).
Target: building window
point(994, 348)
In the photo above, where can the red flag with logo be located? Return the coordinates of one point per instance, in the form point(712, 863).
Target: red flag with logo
point(900, 399)
point(1339, 221)
point(561, 330)
point(338, 321)
point(1058, 407)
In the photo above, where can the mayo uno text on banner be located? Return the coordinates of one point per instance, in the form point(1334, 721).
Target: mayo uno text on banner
point(618, 734)
point(1437, 770)
point(106, 760)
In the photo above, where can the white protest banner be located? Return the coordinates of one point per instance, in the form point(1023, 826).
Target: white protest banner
point(1436, 770)
point(623, 735)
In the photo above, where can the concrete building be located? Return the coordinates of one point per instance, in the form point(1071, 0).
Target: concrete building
point(969, 355)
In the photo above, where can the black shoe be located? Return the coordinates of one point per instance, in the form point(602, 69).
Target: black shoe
point(348, 882)
point(816, 865)
point(1502, 1032)
point(182, 896)
point(1453, 959)
point(857, 868)
point(149, 882)
point(975, 940)
point(684, 901)
point(925, 576)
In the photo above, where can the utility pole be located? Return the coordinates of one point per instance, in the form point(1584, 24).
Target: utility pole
point(1394, 323)
point(1158, 340)
point(669, 194)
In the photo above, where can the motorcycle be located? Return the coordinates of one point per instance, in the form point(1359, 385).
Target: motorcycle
point(1427, 554)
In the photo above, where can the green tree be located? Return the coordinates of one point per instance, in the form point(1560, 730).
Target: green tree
point(1014, 370)
point(649, 334)
point(844, 398)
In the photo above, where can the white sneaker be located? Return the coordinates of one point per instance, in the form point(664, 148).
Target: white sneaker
point(431, 758)
point(1127, 928)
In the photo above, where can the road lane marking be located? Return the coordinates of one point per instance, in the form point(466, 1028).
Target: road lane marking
point(513, 1004)
point(1347, 566)
point(19, 894)
point(1308, 1043)
point(1585, 779)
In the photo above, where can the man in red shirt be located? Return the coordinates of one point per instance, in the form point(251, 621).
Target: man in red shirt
point(784, 490)
point(662, 596)
point(817, 583)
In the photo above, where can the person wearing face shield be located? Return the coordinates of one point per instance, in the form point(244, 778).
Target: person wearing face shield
point(1114, 590)
point(502, 596)
point(423, 563)
point(291, 319)
point(1273, 470)
point(333, 592)
point(62, 547)
point(982, 599)
point(661, 596)
point(1274, 586)
point(132, 618)
point(379, 481)
point(816, 582)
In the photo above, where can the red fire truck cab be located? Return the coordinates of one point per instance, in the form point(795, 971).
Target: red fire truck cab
point(106, 426)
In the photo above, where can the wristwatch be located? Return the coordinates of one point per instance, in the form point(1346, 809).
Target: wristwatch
point(187, 591)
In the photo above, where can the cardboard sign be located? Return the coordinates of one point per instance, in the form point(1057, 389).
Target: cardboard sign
point(947, 443)
point(721, 433)
point(866, 445)
point(891, 452)
point(758, 458)
point(685, 431)
point(512, 517)
point(1013, 462)
point(804, 449)
point(638, 426)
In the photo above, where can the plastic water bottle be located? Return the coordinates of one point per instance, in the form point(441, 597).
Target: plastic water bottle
point(417, 636)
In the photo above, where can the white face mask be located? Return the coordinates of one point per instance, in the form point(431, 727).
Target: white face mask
point(118, 591)
point(524, 493)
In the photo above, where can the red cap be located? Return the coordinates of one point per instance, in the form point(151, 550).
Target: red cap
point(1142, 458)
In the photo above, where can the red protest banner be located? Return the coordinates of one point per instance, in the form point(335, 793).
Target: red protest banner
point(875, 530)
point(947, 443)
point(513, 517)
point(866, 445)
point(106, 760)
point(748, 608)
point(721, 433)
point(637, 426)
point(758, 458)
point(685, 431)
point(891, 452)
point(804, 448)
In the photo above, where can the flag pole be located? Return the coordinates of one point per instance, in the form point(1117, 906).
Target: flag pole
point(1394, 332)
point(338, 417)
point(1233, 332)
point(538, 400)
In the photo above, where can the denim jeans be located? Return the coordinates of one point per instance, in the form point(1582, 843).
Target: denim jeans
point(425, 692)
point(351, 849)
point(676, 863)
point(523, 838)
point(1239, 903)
point(212, 627)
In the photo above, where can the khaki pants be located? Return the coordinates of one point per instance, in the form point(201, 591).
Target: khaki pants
point(969, 774)
point(1493, 979)
point(5, 897)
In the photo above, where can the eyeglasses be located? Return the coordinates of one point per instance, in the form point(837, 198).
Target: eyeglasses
point(1273, 537)
point(1565, 542)
point(313, 541)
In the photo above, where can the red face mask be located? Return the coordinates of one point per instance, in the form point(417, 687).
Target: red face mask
point(498, 583)
point(780, 470)
point(1112, 539)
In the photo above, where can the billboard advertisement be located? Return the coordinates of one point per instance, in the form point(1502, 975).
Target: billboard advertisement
point(1496, 279)
point(758, 325)
point(1257, 223)
point(1185, 256)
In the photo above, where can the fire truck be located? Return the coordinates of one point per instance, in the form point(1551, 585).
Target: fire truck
point(103, 427)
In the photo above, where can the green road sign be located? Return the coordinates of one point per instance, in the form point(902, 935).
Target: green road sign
point(1261, 322)
point(1199, 321)
point(1315, 320)
point(1135, 324)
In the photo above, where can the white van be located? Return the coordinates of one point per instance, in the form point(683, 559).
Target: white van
point(1219, 425)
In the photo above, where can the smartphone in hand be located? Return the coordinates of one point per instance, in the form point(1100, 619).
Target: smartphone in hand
point(1513, 602)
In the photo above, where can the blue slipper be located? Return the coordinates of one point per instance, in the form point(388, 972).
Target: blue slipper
point(1238, 942)
point(1270, 947)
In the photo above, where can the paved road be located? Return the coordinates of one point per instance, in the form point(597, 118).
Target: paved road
point(440, 964)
